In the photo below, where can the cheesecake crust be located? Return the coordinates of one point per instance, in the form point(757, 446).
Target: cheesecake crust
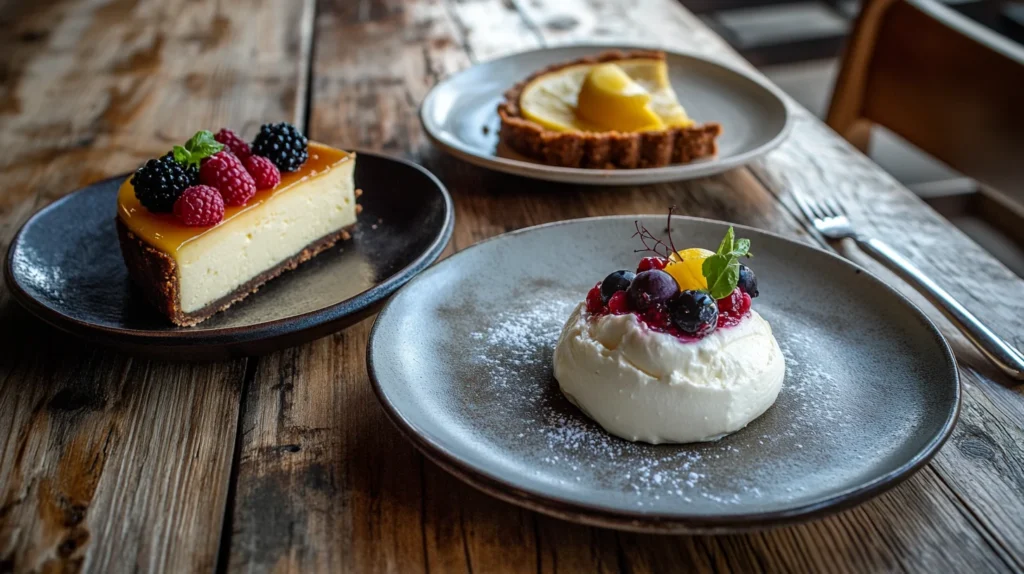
point(156, 275)
point(602, 150)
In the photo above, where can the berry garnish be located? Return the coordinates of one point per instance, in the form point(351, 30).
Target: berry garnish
point(693, 312)
point(733, 308)
point(263, 172)
point(745, 306)
point(656, 317)
point(224, 172)
point(235, 144)
point(159, 183)
point(687, 294)
point(732, 303)
point(651, 287)
point(199, 206)
point(282, 144)
point(595, 303)
point(747, 281)
point(648, 263)
point(618, 304)
point(616, 281)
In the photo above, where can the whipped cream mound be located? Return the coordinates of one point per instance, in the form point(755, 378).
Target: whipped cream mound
point(642, 385)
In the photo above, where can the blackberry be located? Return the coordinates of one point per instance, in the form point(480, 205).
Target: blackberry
point(159, 183)
point(283, 144)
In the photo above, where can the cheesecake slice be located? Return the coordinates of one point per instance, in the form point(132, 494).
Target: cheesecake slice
point(190, 273)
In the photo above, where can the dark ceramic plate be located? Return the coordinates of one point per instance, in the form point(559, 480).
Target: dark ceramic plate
point(65, 266)
point(461, 361)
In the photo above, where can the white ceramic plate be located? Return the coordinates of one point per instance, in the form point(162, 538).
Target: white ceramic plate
point(460, 116)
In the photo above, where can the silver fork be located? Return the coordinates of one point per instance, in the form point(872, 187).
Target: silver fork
point(829, 217)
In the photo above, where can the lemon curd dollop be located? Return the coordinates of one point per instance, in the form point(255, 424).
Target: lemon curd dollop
point(611, 100)
point(686, 267)
point(631, 95)
point(165, 232)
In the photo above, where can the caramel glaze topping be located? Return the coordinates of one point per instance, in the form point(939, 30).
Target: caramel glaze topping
point(164, 232)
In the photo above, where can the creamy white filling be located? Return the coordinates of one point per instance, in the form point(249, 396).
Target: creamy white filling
point(642, 385)
point(260, 238)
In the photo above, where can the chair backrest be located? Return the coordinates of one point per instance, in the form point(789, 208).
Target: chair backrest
point(943, 82)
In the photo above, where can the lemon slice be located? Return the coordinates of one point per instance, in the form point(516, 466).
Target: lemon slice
point(628, 95)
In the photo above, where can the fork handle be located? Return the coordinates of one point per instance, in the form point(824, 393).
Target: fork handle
point(1007, 358)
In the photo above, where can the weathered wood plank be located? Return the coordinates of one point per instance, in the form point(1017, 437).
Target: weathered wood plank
point(325, 481)
point(110, 463)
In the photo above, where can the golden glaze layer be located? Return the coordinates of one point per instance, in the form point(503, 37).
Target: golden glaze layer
point(164, 232)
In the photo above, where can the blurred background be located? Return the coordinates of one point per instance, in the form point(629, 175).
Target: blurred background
point(798, 44)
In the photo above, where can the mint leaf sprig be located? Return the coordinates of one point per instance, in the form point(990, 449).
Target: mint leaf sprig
point(199, 146)
point(722, 270)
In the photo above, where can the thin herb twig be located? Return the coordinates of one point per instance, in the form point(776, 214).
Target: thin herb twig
point(668, 229)
point(645, 235)
point(659, 247)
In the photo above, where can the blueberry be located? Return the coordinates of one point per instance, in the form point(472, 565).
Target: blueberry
point(650, 288)
point(617, 281)
point(694, 312)
point(748, 281)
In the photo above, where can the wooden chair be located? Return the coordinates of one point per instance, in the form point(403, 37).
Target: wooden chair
point(943, 82)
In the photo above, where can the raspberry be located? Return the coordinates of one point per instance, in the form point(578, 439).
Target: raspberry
point(224, 172)
point(282, 144)
point(594, 302)
point(199, 206)
point(745, 306)
point(648, 263)
point(235, 144)
point(731, 303)
point(619, 303)
point(263, 172)
point(656, 317)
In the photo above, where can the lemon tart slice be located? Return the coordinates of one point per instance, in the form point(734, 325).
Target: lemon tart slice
point(613, 110)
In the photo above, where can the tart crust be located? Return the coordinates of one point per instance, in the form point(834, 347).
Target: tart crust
point(602, 150)
point(156, 275)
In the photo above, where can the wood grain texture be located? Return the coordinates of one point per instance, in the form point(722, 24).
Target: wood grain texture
point(402, 48)
point(325, 482)
point(108, 463)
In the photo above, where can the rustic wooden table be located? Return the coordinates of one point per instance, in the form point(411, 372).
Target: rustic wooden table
point(286, 462)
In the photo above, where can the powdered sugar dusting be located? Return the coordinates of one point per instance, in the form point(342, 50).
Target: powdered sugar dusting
point(512, 355)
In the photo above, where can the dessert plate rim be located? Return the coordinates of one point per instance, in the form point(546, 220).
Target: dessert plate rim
point(653, 521)
point(449, 142)
point(244, 340)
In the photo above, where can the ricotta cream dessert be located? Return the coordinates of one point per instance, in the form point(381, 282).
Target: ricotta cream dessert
point(647, 386)
point(672, 353)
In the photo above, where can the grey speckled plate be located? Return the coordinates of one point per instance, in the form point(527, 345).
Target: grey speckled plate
point(461, 360)
point(460, 115)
